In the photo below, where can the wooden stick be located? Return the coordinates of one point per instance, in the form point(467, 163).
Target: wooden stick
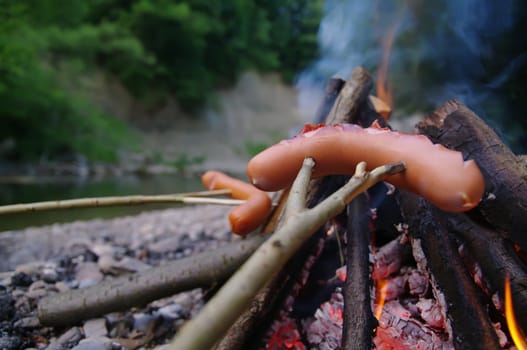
point(351, 97)
point(359, 323)
point(199, 270)
point(187, 198)
point(232, 299)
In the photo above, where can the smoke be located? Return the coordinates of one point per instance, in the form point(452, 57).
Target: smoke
point(472, 50)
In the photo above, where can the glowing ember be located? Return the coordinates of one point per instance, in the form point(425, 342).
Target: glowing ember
point(519, 338)
point(285, 336)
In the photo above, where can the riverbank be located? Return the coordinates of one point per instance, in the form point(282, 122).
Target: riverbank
point(37, 262)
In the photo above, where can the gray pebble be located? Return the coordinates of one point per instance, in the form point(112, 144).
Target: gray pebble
point(49, 275)
point(29, 322)
point(97, 343)
point(95, 328)
point(143, 322)
point(9, 343)
point(67, 340)
point(88, 274)
point(172, 311)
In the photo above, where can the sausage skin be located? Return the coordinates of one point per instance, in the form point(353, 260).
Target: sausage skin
point(438, 174)
point(246, 217)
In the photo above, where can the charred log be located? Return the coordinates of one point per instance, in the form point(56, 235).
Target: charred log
point(352, 96)
point(434, 252)
point(496, 258)
point(505, 206)
point(330, 95)
point(359, 322)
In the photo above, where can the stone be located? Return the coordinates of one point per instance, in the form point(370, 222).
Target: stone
point(67, 340)
point(95, 328)
point(88, 274)
point(10, 343)
point(7, 305)
point(21, 279)
point(98, 343)
point(29, 322)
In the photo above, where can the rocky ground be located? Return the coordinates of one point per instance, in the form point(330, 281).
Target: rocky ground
point(41, 261)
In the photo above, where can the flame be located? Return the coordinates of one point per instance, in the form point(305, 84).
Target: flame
point(381, 297)
point(384, 86)
point(518, 337)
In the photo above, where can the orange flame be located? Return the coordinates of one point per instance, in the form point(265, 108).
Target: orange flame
point(381, 297)
point(518, 337)
point(384, 87)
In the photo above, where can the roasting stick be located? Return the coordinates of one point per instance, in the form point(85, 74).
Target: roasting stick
point(202, 197)
point(231, 300)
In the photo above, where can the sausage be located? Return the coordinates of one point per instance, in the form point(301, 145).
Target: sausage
point(246, 217)
point(438, 174)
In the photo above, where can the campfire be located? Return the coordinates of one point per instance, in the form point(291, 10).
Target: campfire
point(394, 271)
point(390, 271)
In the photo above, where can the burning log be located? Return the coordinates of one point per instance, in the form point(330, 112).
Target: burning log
point(359, 322)
point(468, 320)
point(505, 206)
point(330, 95)
point(496, 258)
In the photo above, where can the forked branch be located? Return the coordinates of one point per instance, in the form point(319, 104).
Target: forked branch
point(230, 301)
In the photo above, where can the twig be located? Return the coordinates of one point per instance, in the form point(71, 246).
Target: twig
point(232, 299)
point(199, 270)
point(189, 198)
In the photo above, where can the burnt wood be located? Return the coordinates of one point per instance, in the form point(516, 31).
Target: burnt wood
point(453, 287)
point(496, 258)
point(359, 322)
point(330, 95)
point(505, 205)
point(353, 95)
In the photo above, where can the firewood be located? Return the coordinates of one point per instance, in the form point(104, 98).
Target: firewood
point(359, 323)
point(453, 287)
point(505, 206)
point(199, 270)
point(351, 98)
point(331, 93)
point(380, 107)
point(496, 258)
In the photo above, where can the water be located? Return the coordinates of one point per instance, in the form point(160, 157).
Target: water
point(60, 189)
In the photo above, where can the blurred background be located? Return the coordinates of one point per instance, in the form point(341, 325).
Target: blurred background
point(114, 97)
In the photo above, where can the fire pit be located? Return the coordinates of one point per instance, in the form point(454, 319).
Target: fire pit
point(394, 272)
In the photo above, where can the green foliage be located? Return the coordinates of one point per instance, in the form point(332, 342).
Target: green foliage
point(157, 48)
point(41, 117)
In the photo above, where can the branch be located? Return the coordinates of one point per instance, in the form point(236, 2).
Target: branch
point(199, 270)
point(187, 198)
point(232, 299)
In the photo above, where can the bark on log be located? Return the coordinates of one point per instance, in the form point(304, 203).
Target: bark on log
point(496, 258)
point(351, 98)
point(359, 323)
point(330, 95)
point(468, 320)
point(457, 127)
point(200, 270)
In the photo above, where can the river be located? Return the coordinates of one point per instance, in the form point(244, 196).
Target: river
point(68, 188)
